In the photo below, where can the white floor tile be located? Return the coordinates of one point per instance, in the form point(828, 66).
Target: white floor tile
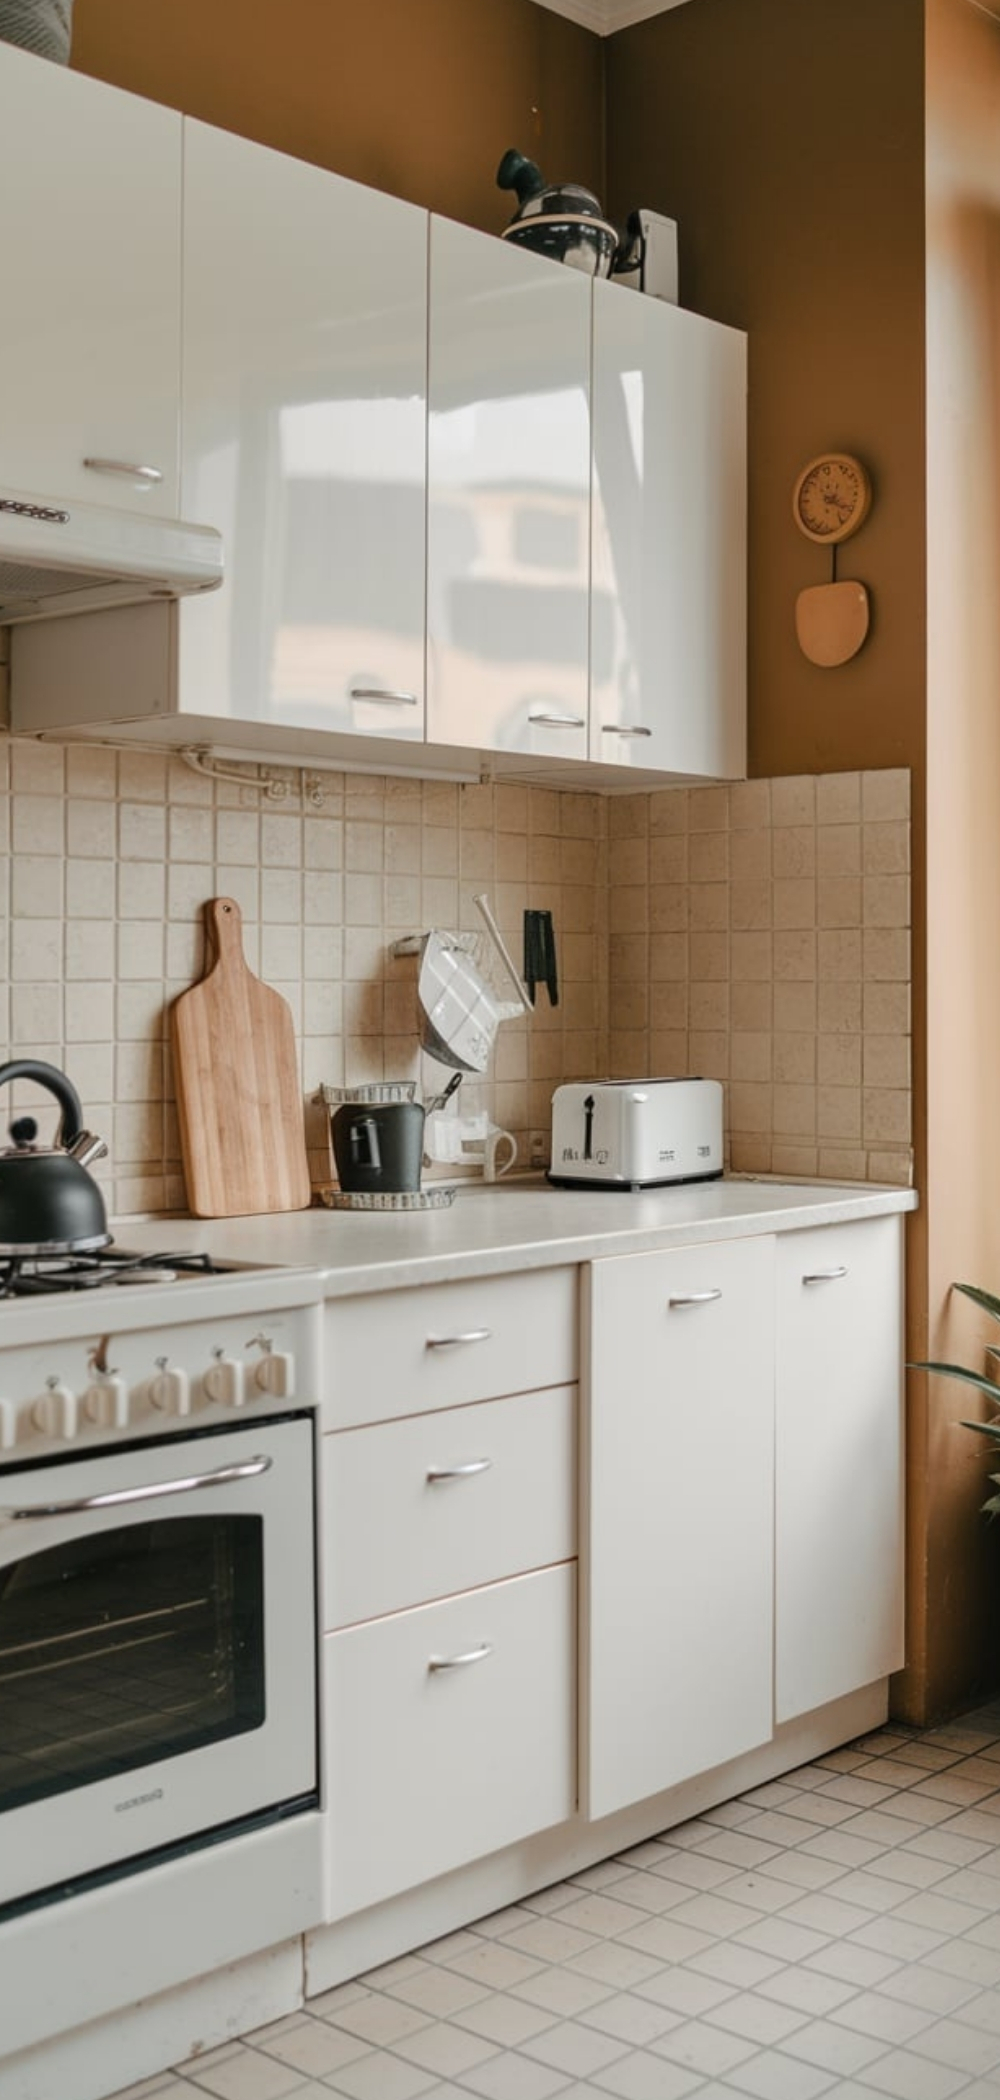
point(446, 2050)
point(907, 2077)
point(836, 1931)
point(770, 2076)
point(629, 2018)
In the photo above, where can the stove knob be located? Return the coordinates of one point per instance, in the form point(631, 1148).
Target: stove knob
point(106, 1402)
point(54, 1412)
point(275, 1374)
point(224, 1381)
point(170, 1390)
point(8, 1425)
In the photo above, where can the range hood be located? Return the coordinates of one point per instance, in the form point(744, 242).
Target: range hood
point(81, 557)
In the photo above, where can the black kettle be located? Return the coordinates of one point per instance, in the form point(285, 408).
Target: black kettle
point(49, 1204)
point(561, 220)
point(378, 1149)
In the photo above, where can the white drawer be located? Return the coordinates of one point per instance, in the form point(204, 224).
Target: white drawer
point(428, 1768)
point(438, 1503)
point(404, 1352)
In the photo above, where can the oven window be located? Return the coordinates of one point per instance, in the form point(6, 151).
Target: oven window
point(138, 1644)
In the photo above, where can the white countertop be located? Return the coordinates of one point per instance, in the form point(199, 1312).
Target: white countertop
point(520, 1223)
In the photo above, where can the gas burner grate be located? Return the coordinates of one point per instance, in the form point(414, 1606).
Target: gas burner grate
point(23, 1276)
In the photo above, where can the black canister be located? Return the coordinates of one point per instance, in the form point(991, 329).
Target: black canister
point(378, 1146)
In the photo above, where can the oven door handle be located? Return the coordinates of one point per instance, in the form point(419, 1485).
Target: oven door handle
point(223, 1476)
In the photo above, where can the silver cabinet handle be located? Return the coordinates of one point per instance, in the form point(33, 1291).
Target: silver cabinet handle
point(623, 729)
point(123, 466)
point(462, 1472)
point(222, 1477)
point(384, 695)
point(460, 1662)
point(826, 1275)
point(455, 1341)
point(693, 1298)
point(554, 721)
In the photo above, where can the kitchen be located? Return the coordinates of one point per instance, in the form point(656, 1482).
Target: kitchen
point(120, 806)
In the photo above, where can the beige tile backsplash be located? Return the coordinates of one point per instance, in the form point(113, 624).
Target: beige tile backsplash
point(758, 934)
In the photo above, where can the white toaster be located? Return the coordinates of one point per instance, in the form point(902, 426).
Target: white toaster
point(636, 1133)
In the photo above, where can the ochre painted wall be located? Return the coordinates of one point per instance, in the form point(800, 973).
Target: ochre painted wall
point(785, 136)
point(417, 97)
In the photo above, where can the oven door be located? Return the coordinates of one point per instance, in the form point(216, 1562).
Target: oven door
point(157, 1649)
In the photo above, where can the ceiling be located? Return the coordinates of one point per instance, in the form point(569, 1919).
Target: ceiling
point(605, 16)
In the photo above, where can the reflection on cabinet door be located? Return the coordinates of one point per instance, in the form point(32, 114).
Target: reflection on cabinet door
point(303, 440)
point(668, 639)
point(90, 343)
point(509, 497)
point(839, 1445)
point(678, 1608)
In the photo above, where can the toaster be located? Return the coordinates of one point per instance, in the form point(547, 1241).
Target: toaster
point(636, 1133)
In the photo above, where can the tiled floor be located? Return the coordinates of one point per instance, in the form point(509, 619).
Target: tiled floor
point(835, 1932)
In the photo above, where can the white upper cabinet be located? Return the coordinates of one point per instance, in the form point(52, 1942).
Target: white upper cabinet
point(304, 410)
point(509, 498)
point(90, 341)
point(668, 634)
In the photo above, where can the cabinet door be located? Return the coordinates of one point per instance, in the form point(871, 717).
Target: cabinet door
point(304, 406)
point(668, 642)
point(839, 1440)
point(679, 1580)
point(90, 343)
point(450, 1733)
point(509, 497)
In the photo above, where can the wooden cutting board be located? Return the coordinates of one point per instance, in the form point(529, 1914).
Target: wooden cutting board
point(236, 1074)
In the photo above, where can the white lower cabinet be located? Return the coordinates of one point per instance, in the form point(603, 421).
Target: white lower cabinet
point(678, 1538)
point(450, 1732)
point(839, 1452)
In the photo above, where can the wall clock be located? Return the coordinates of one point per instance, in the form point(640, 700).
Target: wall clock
point(831, 498)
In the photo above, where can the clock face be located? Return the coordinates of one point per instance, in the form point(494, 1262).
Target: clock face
point(831, 497)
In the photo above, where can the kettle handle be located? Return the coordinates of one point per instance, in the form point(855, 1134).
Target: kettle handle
point(57, 1084)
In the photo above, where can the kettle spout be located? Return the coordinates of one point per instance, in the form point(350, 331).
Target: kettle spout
point(86, 1148)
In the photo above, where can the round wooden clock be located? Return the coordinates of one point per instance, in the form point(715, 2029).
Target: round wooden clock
point(831, 497)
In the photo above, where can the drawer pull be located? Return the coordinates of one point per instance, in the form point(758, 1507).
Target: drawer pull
point(125, 467)
point(546, 718)
point(460, 1662)
point(455, 1341)
point(693, 1298)
point(462, 1472)
point(386, 695)
point(826, 1275)
point(624, 729)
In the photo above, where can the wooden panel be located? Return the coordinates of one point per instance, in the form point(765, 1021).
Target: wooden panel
point(395, 1536)
point(430, 1768)
point(448, 1344)
point(677, 1622)
point(839, 1439)
point(239, 1096)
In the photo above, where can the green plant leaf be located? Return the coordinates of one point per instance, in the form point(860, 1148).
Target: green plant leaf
point(976, 1378)
point(986, 1299)
point(991, 1429)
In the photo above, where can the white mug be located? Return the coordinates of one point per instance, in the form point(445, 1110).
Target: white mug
point(496, 1142)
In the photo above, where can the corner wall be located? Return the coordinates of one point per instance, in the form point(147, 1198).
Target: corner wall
point(420, 100)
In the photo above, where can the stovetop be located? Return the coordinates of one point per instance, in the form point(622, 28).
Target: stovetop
point(28, 1276)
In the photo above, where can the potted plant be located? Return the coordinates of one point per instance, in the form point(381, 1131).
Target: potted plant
point(42, 26)
point(991, 1429)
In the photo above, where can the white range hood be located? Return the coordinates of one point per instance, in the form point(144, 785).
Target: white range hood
point(80, 557)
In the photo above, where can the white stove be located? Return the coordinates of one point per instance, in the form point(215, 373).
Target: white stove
point(158, 1642)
